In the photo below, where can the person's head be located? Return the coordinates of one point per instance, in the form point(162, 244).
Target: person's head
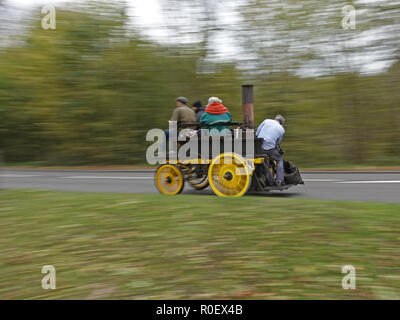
point(280, 119)
point(181, 101)
point(214, 100)
point(196, 106)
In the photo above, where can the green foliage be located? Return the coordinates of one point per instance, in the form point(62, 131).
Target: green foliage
point(86, 93)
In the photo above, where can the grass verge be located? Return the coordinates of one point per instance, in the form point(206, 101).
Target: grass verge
point(108, 246)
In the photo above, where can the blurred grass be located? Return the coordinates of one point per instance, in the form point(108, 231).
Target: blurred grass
point(194, 247)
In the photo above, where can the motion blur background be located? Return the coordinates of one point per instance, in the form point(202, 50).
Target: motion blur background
point(87, 92)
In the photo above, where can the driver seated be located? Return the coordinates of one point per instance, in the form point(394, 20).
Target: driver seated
point(272, 131)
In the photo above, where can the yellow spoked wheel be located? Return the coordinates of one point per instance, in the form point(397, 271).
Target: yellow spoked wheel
point(169, 179)
point(229, 175)
point(199, 183)
point(198, 178)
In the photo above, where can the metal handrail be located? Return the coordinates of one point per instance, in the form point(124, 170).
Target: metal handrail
point(198, 124)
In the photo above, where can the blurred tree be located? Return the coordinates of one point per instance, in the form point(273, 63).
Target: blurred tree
point(87, 92)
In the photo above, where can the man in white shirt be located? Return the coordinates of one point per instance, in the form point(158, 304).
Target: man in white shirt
point(272, 131)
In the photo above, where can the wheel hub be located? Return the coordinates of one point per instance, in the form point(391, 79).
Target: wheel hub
point(228, 176)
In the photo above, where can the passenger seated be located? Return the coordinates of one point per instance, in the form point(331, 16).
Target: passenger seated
point(181, 113)
point(198, 109)
point(215, 117)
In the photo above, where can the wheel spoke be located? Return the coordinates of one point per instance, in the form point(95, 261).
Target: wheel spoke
point(169, 179)
point(229, 177)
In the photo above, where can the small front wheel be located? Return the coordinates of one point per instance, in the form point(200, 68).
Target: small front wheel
point(169, 179)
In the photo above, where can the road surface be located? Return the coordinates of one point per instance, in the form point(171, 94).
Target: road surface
point(356, 186)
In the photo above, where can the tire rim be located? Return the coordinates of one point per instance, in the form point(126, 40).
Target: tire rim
point(228, 175)
point(169, 179)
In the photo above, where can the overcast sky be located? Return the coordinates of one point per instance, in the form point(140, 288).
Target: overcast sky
point(375, 49)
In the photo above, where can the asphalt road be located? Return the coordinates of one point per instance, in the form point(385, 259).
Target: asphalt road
point(356, 186)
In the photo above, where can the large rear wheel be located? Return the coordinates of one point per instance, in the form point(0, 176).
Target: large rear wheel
point(229, 175)
point(169, 179)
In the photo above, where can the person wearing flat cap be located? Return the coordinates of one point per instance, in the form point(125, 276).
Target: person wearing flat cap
point(182, 113)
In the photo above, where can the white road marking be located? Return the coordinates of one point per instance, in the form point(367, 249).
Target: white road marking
point(105, 177)
point(320, 180)
point(10, 175)
point(369, 181)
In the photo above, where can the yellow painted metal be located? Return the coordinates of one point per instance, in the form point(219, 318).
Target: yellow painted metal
point(189, 161)
point(208, 161)
point(229, 175)
point(169, 179)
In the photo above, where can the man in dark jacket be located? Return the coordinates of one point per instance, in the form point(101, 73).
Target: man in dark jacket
point(198, 109)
